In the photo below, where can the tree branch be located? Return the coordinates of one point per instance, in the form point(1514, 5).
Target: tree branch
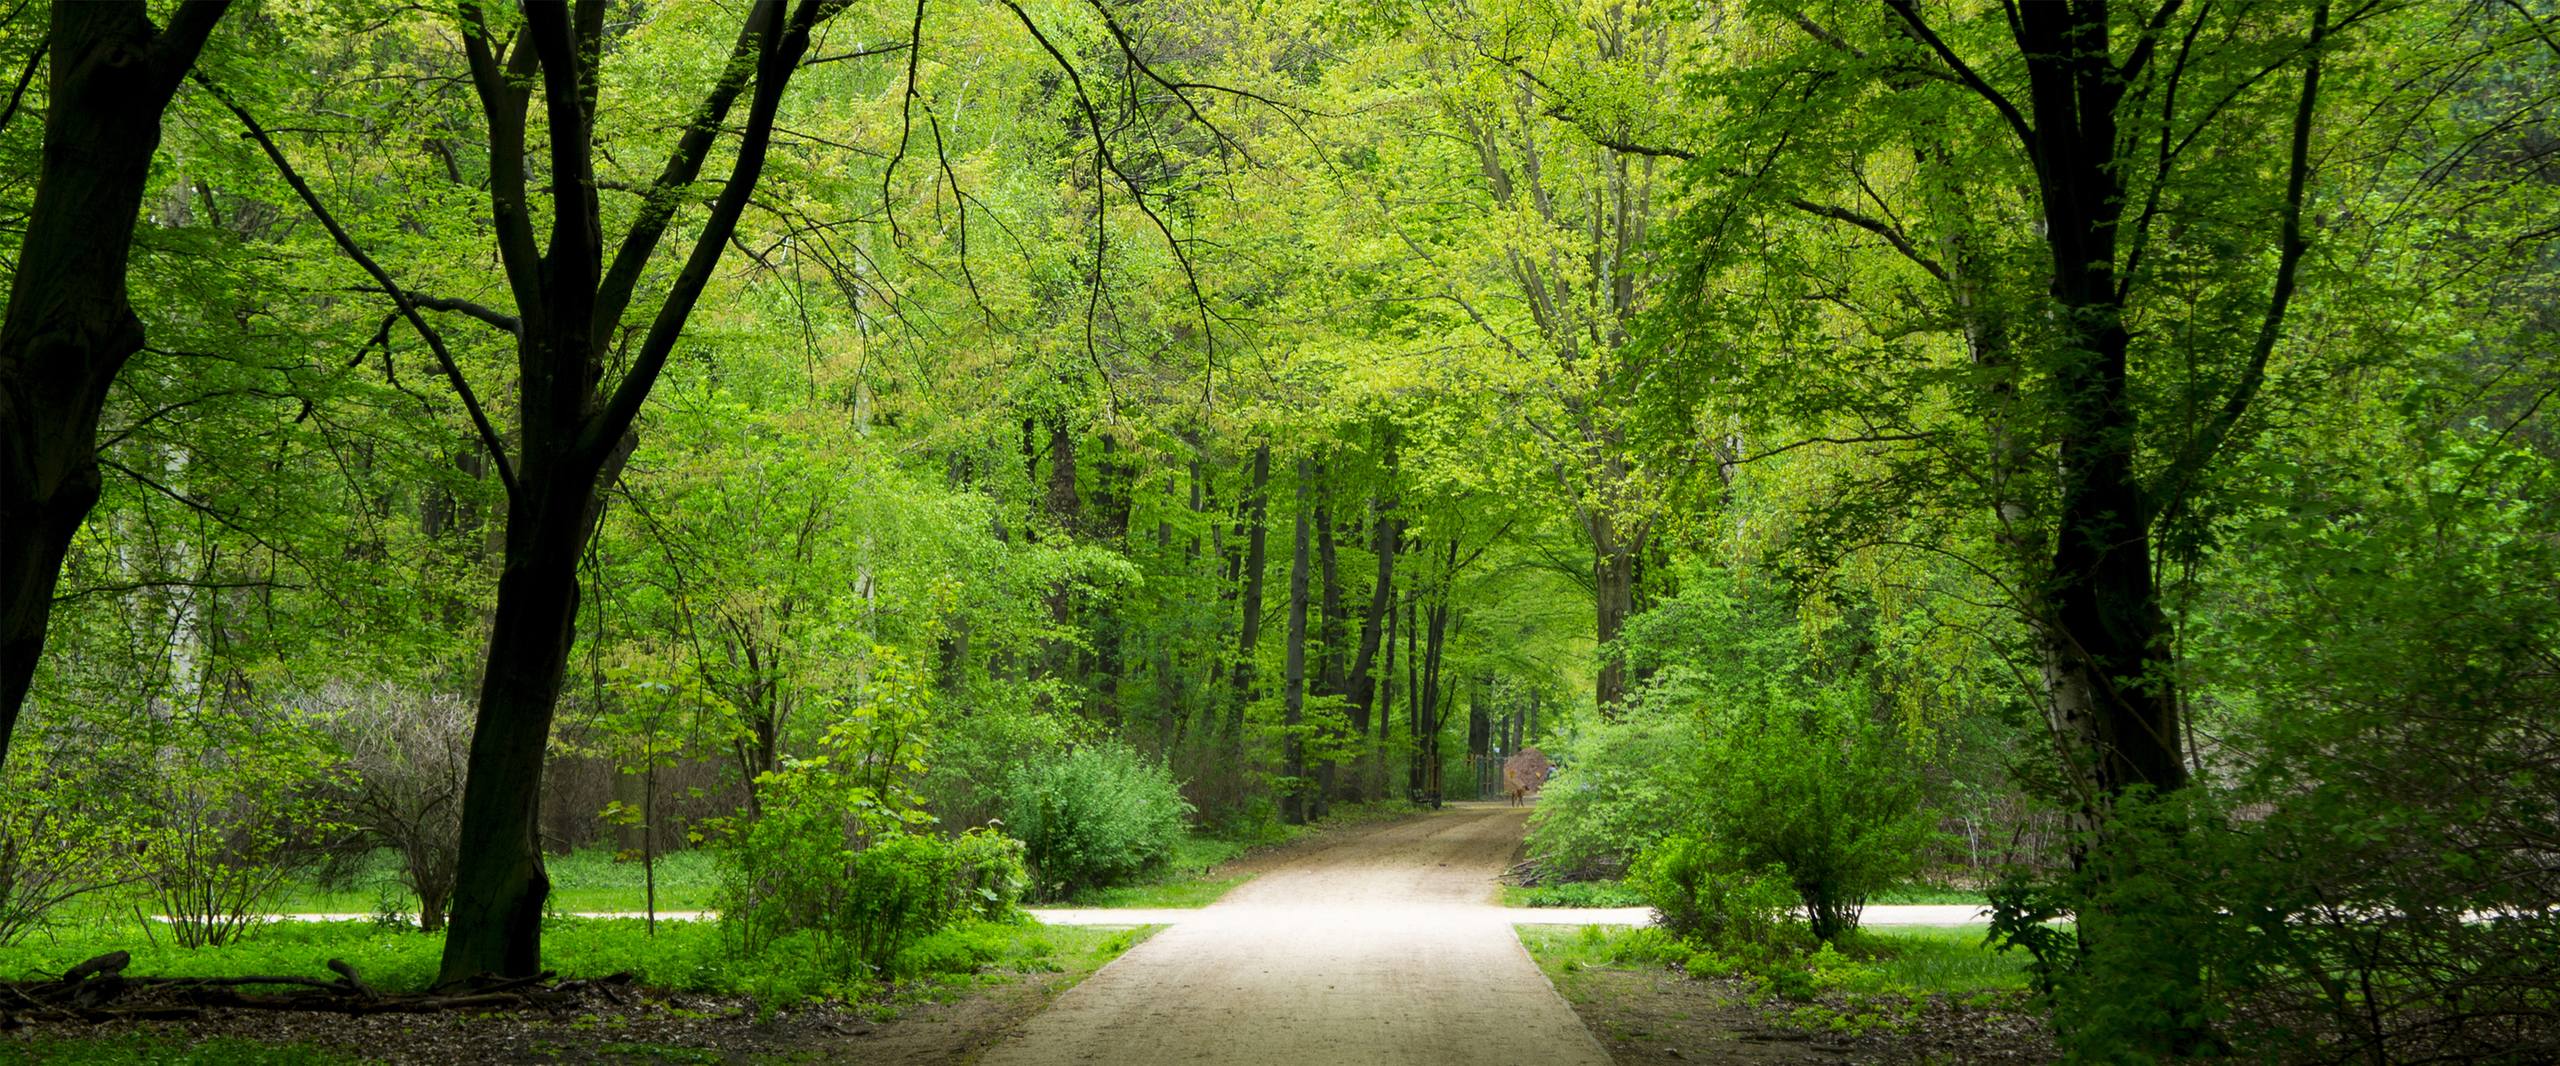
point(2290, 246)
point(408, 304)
point(778, 53)
point(1910, 15)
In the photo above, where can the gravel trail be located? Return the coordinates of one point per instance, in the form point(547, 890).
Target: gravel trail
point(1380, 950)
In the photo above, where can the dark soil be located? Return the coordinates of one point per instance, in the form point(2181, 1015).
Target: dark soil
point(620, 1025)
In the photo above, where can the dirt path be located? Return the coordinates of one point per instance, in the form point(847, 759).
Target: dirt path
point(1382, 949)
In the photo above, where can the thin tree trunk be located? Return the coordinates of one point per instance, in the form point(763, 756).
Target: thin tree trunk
point(70, 326)
point(1250, 634)
point(1295, 801)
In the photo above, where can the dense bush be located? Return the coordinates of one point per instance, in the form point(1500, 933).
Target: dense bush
point(1098, 816)
point(838, 862)
point(1814, 786)
point(1704, 896)
point(1620, 788)
point(2365, 871)
point(826, 867)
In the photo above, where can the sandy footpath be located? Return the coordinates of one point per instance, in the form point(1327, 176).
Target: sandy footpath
point(1379, 950)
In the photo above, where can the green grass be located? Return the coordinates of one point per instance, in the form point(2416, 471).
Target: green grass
point(153, 1049)
point(1909, 962)
point(1923, 892)
point(1921, 959)
point(589, 879)
point(1573, 894)
point(688, 956)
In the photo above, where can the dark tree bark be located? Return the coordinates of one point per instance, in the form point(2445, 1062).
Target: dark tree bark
point(1430, 706)
point(1254, 562)
point(1416, 713)
point(1480, 716)
point(70, 326)
point(574, 418)
point(1293, 760)
point(2105, 637)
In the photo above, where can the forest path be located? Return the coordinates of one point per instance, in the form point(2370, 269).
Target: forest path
point(1383, 948)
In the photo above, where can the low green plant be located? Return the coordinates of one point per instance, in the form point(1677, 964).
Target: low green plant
point(1814, 785)
point(1100, 815)
point(1621, 786)
point(1705, 895)
point(1575, 894)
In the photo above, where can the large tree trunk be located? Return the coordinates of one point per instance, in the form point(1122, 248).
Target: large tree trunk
point(2106, 638)
point(500, 886)
point(70, 326)
point(1294, 802)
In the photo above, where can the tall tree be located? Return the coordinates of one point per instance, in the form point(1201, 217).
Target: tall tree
point(1293, 760)
point(574, 414)
point(70, 326)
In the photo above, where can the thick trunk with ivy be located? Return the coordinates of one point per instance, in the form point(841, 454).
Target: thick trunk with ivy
point(70, 326)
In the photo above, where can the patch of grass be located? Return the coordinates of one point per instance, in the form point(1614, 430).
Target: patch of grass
point(1573, 894)
point(1564, 949)
point(1193, 892)
point(686, 956)
point(1924, 892)
point(153, 1049)
point(591, 879)
point(1925, 960)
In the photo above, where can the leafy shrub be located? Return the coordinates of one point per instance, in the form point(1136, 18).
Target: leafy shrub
point(1813, 785)
point(2365, 872)
point(828, 867)
point(838, 863)
point(1703, 895)
point(234, 809)
point(58, 842)
point(1099, 816)
point(1620, 788)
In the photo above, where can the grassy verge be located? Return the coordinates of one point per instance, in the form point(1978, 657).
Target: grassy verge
point(682, 956)
point(1573, 894)
point(1873, 981)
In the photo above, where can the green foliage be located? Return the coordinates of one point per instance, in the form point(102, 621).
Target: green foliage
point(237, 805)
point(1099, 816)
point(1703, 894)
point(1815, 787)
point(59, 842)
point(1620, 788)
point(1575, 894)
